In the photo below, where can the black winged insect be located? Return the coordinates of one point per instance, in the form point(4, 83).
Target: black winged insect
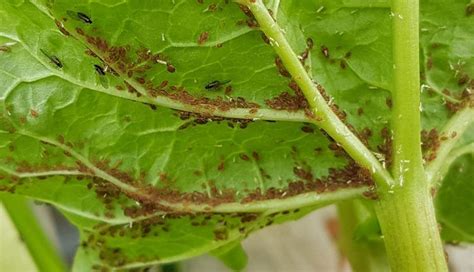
point(55, 60)
point(215, 85)
point(79, 16)
point(101, 76)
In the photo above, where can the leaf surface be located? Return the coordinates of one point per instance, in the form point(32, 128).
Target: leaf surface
point(159, 127)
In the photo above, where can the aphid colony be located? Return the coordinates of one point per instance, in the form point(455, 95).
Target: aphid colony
point(101, 71)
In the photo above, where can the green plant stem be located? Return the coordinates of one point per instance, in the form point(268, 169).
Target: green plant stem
point(364, 256)
point(38, 244)
point(405, 211)
point(324, 116)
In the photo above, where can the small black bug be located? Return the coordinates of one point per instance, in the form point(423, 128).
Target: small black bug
point(216, 84)
point(84, 18)
point(53, 59)
point(80, 16)
point(99, 70)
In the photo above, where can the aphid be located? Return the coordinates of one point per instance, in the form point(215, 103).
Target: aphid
point(309, 43)
point(244, 157)
point(101, 74)
point(228, 90)
point(79, 16)
point(99, 70)
point(203, 38)
point(170, 68)
point(5, 48)
point(34, 113)
point(325, 51)
point(164, 83)
point(216, 84)
point(61, 28)
point(343, 64)
point(53, 59)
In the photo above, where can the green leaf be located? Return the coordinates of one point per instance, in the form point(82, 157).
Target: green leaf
point(232, 255)
point(147, 146)
point(454, 202)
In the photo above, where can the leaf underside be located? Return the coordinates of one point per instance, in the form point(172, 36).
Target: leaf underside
point(167, 129)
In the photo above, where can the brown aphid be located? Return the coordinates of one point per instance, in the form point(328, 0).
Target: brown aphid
point(80, 31)
point(5, 48)
point(212, 7)
point(463, 79)
point(221, 234)
point(255, 156)
point(60, 139)
point(140, 80)
point(307, 129)
point(252, 23)
point(221, 166)
point(343, 64)
point(389, 102)
point(281, 67)
point(246, 11)
point(90, 53)
point(34, 113)
point(203, 37)
point(348, 55)
point(170, 68)
point(429, 63)
point(244, 157)
point(265, 38)
point(228, 90)
point(164, 83)
point(371, 194)
point(309, 43)
point(61, 28)
point(325, 51)
point(360, 111)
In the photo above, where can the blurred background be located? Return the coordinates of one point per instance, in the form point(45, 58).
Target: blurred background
point(304, 245)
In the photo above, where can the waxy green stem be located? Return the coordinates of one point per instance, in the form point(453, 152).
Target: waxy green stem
point(405, 211)
point(38, 244)
point(405, 208)
point(324, 116)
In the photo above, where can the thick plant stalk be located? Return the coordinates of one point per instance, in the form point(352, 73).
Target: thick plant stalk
point(405, 208)
point(406, 213)
point(38, 244)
